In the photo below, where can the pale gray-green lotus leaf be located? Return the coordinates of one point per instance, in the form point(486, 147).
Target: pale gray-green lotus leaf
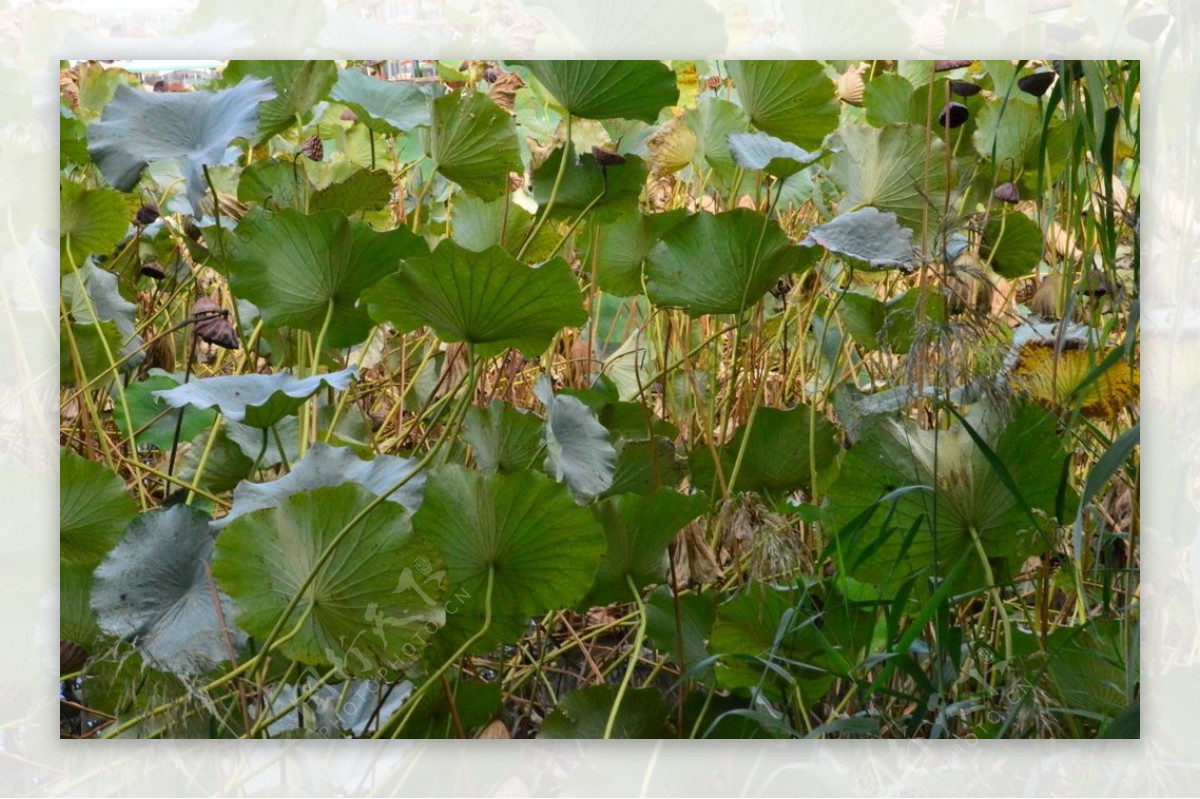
point(256, 400)
point(154, 589)
point(579, 450)
point(138, 128)
point(324, 465)
point(869, 235)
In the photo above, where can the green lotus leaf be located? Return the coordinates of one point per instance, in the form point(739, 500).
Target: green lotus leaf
point(931, 494)
point(477, 225)
point(584, 714)
point(72, 140)
point(503, 438)
point(541, 548)
point(323, 466)
point(638, 528)
point(1008, 133)
point(295, 266)
point(215, 462)
point(1012, 244)
point(368, 607)
point(94, 509)
point(93, 343)
point(585, 184)
point(624, 244)
point(274, 185)
point(256, 400)
point(474, 143)
point(299, 85)
point(76, 619)
point(644, 466)
point(862, 317)
point(793, 100)
point(154, 589)
point(867, 234)
point(489, 299)
point(139, 128)
point(714, 121)
point(1089, 666)
point(887, 98)
point(915, 313)
point(767, 623)
point(383, 106)
point(778, 457)
point(721, 263)
point(92, 294)
point(155, 424)
point(90, 222)
point(608, 89)
point(362, 191)
point(885, 168)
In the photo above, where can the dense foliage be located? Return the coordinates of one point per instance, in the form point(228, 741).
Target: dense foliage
point(601, 399)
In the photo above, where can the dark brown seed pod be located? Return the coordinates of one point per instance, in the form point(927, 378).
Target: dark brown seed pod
point(71, 657)
point(1037, 83)
point(154, 270)
point(192, 229)
point(946, 66)
point(607, 158)
point(492, 74)
point(964, 88)
point(1007, 193)
point(147, 214)
point(953, 115)
point(313, 149)
point(212, 324)
point(1094, 284)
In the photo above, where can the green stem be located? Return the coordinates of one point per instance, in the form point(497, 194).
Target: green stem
point(995, 594)
point(413, 701)
point(208, 448)
point(633, 659)
point(562, 170)
point(216, 212)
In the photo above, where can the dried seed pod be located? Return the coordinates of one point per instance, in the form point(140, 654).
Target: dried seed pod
point(71, 657)
point(1007, 193)
point(851, 87)
point(607, 158)
point(192, 229)
point(161, 351)
point(967, 286)
point(953, 115)
point(1094, 283)
point(1048, 301)
point(491, 74)
point(147, 214)
point(964, 88)
point(154, 270)
point(313, 149)
point(946, 66)
point(1036, 84)
point(212, 324)
point(1025, 291)
point(503, 91)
